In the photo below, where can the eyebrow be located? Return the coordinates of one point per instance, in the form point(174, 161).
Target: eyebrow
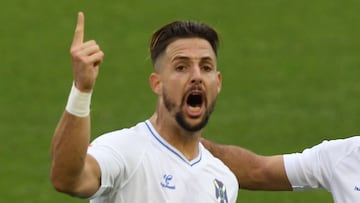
point(186, 58)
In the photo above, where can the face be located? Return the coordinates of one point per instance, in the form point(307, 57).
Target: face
point(187, 82)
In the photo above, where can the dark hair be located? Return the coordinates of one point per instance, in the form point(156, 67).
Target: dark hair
point(181, 29)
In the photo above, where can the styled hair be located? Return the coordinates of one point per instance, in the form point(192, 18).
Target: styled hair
point(179, 30)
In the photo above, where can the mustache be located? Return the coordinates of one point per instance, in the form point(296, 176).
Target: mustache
point(195, 87)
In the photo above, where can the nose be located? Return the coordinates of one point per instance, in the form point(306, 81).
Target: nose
point(196, 76)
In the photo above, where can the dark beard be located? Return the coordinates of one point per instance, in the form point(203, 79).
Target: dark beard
point(180, 117)
point(181, 121)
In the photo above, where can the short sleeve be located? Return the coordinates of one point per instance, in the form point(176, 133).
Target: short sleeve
point(309, 169)
point(111, 164)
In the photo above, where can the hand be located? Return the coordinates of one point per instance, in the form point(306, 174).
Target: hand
point(86, 58)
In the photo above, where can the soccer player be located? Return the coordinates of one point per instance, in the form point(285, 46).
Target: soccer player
point(332, 165)
point(159, 159)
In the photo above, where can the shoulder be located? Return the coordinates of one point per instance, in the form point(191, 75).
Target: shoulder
point(128, 144)
point(219, 170)
point(213, 161)
point(135, 135)
point(339, 147)
point(328, 152)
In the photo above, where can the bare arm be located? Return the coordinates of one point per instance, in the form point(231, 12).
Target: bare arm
point(72, 170)
point(254, 172)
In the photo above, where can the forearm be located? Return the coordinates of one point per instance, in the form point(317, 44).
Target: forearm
point(69, 149)
point(72, 170)
point(253, 171)
point(268, 174)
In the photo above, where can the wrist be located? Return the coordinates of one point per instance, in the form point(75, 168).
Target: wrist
point(78, 103)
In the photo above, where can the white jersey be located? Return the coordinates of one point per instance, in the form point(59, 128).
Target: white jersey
point(139, 166)
point(332, 165)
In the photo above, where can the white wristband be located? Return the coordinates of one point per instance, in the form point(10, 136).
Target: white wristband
point(78, 102)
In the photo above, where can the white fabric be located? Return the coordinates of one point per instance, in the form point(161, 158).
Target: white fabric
point(138, 166)
point(332, 165)
point(78, 103)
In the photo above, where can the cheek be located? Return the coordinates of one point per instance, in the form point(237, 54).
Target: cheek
point(214, 88)
point(174, 83)
point(170, 87)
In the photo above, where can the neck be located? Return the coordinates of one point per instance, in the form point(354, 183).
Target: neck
point(186, 142)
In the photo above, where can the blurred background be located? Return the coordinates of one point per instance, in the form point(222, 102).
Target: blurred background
point(290, 78)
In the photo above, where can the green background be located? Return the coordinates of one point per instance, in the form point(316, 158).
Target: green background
point(290, 78)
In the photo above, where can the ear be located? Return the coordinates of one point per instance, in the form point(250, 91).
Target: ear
point(219, 78)
point(155, 83)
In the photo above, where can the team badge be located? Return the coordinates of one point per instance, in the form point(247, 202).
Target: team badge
point(220, 191)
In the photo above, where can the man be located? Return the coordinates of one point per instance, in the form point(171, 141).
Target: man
point(160, 159)
point(331, 165)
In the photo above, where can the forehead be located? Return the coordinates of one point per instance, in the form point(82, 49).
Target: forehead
point(194, 48)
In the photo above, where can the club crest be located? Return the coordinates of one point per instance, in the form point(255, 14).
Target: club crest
point(220, 191)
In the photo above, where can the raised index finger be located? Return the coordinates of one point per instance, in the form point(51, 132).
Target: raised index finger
point(79, 31)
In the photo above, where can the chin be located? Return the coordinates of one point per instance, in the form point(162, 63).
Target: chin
point(193, 125)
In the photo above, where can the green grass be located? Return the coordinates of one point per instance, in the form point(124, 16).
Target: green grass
point(290, 78)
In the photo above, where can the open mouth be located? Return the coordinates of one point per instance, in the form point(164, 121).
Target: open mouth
point(195, 99)
point(195, 102)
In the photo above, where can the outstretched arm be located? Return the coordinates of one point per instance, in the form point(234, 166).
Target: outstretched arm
point(253, 171)
point(72, 170)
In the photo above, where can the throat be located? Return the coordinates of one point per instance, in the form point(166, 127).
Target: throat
point(187, 145)
point(184, 141)
point(189, 152)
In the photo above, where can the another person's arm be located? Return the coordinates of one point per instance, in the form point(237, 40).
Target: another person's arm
point(253, 171)
point(72, 170)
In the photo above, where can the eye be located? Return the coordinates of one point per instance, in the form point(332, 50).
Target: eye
point(207, 68)
point(180, 68)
